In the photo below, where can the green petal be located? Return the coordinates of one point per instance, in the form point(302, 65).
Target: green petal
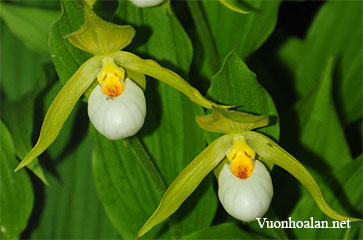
point(230, 5)
point(269, 150)
point(151, 68)
point(62, 106)
point(99, 37)
point(228, 121)
point(188, 180)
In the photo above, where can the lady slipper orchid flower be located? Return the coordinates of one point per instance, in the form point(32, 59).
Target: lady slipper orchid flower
point(146, 3)
point(117, 105)
point(245, 187)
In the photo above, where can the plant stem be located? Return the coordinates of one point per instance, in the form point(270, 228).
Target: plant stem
point(204, 34)
point(156, 179)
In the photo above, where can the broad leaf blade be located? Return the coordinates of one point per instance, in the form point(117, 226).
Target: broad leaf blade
point(223, 231)
point(344, 44)
point(315, 122)
point(71, 208)
point(16, 191)
point(33, 31)
point(123, 184)
point(20, 68)
point(188, 180)
point(67, 58)
point(21, 129)
point(251, 30)
point(236, 85)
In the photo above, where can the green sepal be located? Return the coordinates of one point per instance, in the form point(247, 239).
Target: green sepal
point(91, 2)
point(269, 150)
point(230, 5)
point(151, 68)
point(229, 121)
point(188, 180)
point(62, 106)
point(99, 37)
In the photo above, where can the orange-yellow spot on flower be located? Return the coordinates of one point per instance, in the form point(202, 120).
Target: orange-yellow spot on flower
point(111, 78)
point(242, 157)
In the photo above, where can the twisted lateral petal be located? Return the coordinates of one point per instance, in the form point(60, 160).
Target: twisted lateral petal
point(269, 150)
point(146, 3)
point(151, 68)
point(188, 180)
point(118, 117)
point(245, 199)
point(62, 106)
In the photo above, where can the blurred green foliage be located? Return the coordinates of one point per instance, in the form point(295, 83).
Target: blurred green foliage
point(104, 189)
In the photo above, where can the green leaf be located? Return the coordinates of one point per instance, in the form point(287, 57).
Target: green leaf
point(67, 58)
point(247, 32)
point(33, 31)
point(188, 180)
point(317, 122)
point(69, 208)
point(223, 231)
point(123, 183)
point(21, 129)
point(62, 106)
point(20, 67)
point(99, 37)
point(344, 44)
point(346, 197)
point(16, 191)
point(268, 150)
point(236, 85)
point(228, 121)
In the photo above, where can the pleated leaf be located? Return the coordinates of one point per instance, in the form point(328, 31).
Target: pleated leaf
point(33, 31)
point(235, 84)
point(16, 191)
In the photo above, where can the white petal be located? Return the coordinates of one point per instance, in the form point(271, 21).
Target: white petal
point(118, 117)
point(245, 199)
point(146, 3)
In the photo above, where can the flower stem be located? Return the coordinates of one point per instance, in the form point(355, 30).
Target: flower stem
point(156, 179)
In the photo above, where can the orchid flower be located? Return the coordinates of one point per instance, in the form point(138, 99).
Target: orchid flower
point(116, 106)
point(240, 159)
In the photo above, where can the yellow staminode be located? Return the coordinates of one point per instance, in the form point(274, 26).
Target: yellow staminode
point(111, 79)
point(242, 157)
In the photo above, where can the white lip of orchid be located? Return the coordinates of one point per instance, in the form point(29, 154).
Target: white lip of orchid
point(146, 3)
point(245, 199)
point(118, 117)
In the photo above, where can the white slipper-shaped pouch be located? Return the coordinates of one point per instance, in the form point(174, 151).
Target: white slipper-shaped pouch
point(118, 117)
point(146, 3)
point(245, 186)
